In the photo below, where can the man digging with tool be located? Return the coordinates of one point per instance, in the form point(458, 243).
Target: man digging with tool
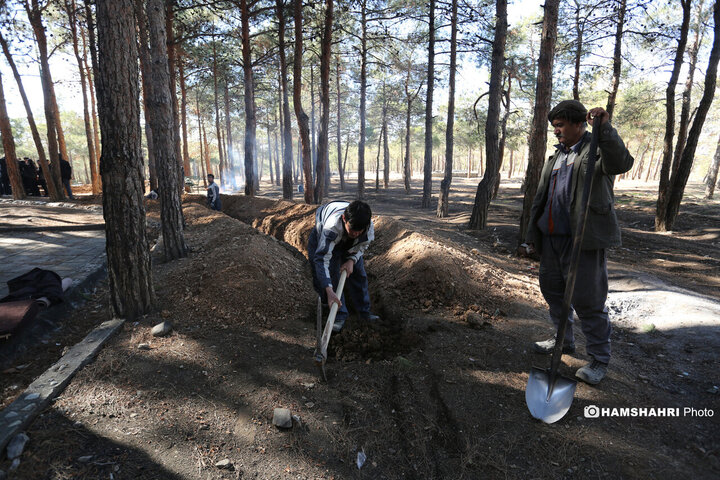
point(341, 235)
point(553, 217)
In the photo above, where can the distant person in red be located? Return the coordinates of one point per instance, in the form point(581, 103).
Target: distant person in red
point(553, 218)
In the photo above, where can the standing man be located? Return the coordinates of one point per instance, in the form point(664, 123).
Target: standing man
point(213, 194)
point(342, 233)
point(65, 176)
point(553, 219)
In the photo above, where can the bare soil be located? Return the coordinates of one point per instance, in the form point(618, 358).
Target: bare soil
point(435, 391)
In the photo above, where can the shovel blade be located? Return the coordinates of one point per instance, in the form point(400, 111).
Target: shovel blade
point(553, 408)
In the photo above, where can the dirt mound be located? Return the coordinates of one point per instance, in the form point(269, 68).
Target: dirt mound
point(235, 274)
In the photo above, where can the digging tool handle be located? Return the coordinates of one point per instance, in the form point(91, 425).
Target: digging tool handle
point(331, 318)
point(574, 257)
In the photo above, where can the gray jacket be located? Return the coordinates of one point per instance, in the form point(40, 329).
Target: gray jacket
point(601, 228)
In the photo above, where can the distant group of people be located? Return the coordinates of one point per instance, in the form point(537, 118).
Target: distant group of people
point(33, 178)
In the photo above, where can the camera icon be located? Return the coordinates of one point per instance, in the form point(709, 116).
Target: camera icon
point(591, 411)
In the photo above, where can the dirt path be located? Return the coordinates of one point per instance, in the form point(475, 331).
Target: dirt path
point(435, 392)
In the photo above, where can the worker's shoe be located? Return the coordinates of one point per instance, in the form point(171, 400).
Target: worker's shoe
point(338, 325)
point(593, 372)
point(548, 346)
point(369, 317)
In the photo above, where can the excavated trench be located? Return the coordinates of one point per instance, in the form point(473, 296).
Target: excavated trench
point(410, 276)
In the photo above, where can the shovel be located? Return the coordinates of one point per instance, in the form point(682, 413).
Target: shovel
point(322, 342)
point(548, 394)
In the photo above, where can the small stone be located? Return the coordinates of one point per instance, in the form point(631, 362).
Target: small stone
point(165, 314)
point(308, 385)
point(224, 464)
point(17, 445)
point(476, 320)
point(282, 418)
point(296, 419)
point(133, 415)
point(14, 465)
point(161, 329)
point(85, 458)
point(144, 346)
point(32, 396)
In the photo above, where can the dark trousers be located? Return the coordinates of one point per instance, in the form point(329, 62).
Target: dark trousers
point(356, 285)
point(589, 295)
point(68, 190)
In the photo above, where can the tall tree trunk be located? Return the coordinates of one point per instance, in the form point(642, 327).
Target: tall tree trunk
point(221, 168)
point(503, 131)
point(187, 171)
point(386, 147)
point(617, 58)
point(579, 33)
point(286, 125)
point(712, 174)
point(92, 85)
point(35, 16)
point(145, 69)
point(407, 172)
point(363, 100)
point(313, 146)
point(249, 95)
point(664, 186)
point(8, 142)
point(687, 93)
point(128, 256)
point(171, 54)
point(478, 218)
point(680, 178)
point(161, 119)
point(537, 143)
point(443, 201)
point(228, 127)
point(302, 117)
point(71, 10)
point(427, 165)
point(341, 171)
point(277, 150)
point(53, 189)
point(208, 166)
point(95, 139)
point(377, 161)
point(323, 151)
point(200, 140)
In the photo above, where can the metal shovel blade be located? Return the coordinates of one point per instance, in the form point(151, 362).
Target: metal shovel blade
point(546, 404)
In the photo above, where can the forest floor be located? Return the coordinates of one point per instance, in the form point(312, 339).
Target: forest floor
point(435, 391)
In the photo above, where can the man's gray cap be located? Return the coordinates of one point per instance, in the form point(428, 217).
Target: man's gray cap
point(571, 108)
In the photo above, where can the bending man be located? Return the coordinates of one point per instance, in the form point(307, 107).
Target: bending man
point(341, 235)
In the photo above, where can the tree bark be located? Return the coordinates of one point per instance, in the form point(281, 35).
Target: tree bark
point(483, 196)
point(443, 201)
point(341, 170)
point(8, 142)
point(712, 174)
point(680, 178)
point(537, 143)
point(617, 58)
point(221, 168)
point(386, 147)
point(249, 95)
point(35, 16)
point(91, 75)
point(363, 100)
point(171, 54)
point(145, 70)
point(128, 257)
point(579, 33)
point(71, 11)
point(323, 134)
point(664, 186)
point(53, 190)
point(230, 154)
point(183, 122)
point(161, 119)
point(302, 117)
point(687, 93)
point(427, 165)
point(287, 180)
